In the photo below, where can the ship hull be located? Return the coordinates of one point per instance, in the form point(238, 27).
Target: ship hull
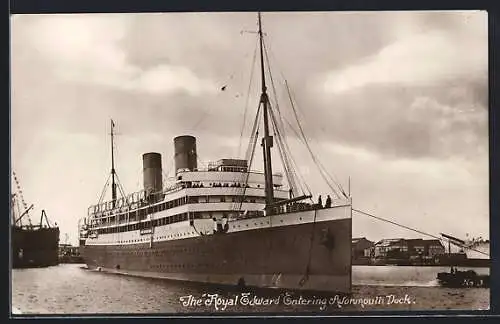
point(312, 256)
point(33, 248)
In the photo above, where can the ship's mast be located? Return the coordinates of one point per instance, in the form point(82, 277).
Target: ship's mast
point(267, 141)
point(113, 173)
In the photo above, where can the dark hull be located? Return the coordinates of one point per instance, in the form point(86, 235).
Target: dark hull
point(463, 279)
point(470, 263)
point(71, 259)
point(308, 256)
point(33, 248)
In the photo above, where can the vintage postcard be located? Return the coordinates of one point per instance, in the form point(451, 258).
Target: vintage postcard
point(267, 163)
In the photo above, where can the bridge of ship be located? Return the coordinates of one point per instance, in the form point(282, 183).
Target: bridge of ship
point(202, 190)
point(195, 193)
point(208, 177)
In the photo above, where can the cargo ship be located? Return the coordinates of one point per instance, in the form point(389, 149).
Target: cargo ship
point(32, 245)
point(223, 222)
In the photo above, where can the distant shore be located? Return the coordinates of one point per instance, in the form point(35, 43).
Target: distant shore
point(470, 263)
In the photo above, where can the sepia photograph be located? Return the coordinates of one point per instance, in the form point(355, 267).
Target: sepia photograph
point(233, 163)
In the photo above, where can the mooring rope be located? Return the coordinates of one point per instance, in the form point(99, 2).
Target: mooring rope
point(413, 229)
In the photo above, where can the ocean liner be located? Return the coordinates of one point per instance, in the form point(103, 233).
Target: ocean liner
point(32, 245)
point(222, 222)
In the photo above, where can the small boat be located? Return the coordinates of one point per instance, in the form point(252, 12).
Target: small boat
point(463, 279)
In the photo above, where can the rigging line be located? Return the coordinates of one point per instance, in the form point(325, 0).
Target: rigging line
point(254, 128)
point(300, 178)
point(202, 118)
point(274, 57)
point(273, 87)
point(236, 64)
point(120, 187)
point(411, 229)
point(284, 159)
point(295, 165)
point(282, 149)
point(101, 197)
point(309, 147)
point(302, 136)
point(172, 160)
point(118, 182)
point(332, 178)
point(317, 162)
point(247, 100)
point(293, 160)
point(286, 164)
point(280, 125)
point(288, 154)
point(252, 145)
point(206, 113)
point(243, 195)
point(251, 152)
point(252, 135)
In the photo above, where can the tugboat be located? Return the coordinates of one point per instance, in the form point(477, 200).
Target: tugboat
point(461, 279)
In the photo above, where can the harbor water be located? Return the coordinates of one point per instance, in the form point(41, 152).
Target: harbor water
point(73, 289)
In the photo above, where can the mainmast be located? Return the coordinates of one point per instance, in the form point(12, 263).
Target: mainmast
point(267, 140)
point(113, 173)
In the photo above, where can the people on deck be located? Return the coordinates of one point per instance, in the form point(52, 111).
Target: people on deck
point(320, 203)
point(328, 202)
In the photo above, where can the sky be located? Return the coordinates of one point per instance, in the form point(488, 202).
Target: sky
point(395, 101)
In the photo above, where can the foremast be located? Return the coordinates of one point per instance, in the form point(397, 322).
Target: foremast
point(267, 140)
point(115, 181)
point(113, 172)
